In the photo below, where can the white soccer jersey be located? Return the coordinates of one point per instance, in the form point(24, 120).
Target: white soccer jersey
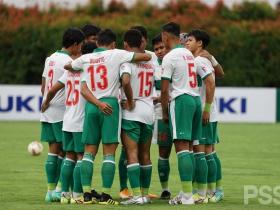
point(75, 103)
point(158, 107)
point(54, 69)
point(178, 66)
point(102, 69)
point(142, 82)
point(204, 68)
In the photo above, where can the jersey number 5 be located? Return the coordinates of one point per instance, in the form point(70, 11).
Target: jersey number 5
point(102, 71)
point(192, 75)
point(145, 80)
point(72, 91)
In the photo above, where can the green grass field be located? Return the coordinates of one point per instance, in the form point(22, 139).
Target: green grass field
point(249, 154)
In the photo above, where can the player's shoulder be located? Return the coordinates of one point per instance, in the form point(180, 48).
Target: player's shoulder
point(203, 61)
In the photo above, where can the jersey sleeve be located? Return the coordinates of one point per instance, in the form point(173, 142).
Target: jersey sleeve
point(77, 64)
point(63, 78)
point(125, 69)
point(204, 67)
point(123, 56)
point(45, 72)
point(167, 69)
point(84, 76)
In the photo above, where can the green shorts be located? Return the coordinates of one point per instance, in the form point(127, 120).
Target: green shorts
point(137, 131)
point(185, 117)
point(98, 125)
point(209, 134)
point(72, 142)
point(164, 138)
point(51, 132)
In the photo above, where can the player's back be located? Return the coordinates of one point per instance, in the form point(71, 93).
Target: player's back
point(102, 68)
point(180, 67)
point(142, 82)
point(74, 102)
point(54, 69)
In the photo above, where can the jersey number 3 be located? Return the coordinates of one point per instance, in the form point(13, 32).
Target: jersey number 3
point(102, 72)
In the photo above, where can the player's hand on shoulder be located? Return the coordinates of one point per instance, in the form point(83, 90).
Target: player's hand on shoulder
point(205, 54)
point(44, 106)
point(105, 108)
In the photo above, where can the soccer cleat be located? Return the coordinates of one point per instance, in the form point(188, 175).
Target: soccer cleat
point(65, 198)
point(48, 197)
point(56, 196)
point(147, 199)
point(125, 194)
point(79, 200)
point(95, 195)
point(165, 195)
point(198, 199)
point(87, 198)
point(106, 199)
point(181, 199)
point(138, 200)
point(216, 197)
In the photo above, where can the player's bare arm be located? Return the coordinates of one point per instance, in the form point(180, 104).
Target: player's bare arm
point(128, 104)
point(51, 94)
point(165, 99)
point(86, 93)
point(43, 85)
point(210, 92)
point(141, 57)
point(219, 72)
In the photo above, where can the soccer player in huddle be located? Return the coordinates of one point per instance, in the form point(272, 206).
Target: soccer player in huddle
point(124, 192)
point(137, 119)
point(162, 133)
point(185, 106)
point(51, 119)
point(197, 41)
point(100, 87)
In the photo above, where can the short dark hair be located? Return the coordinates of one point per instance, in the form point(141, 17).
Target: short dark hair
point(142, 30)
point(88, 47)
point(200, 35)
point(106, 37)
point(72, 36)
point(90, 30)
point(172, 28)
point(157, 39)
point(133, 38)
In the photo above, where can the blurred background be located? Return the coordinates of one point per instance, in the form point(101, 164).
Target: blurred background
point(245, 38)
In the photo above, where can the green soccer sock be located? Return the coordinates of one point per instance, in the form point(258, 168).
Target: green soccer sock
point(108, 173)
point(212, 173)
point(185, 168)
point(51, 169)
point(201, 173)
point(145, 178)
point(193, 162)
point(67, 174)
point(133, 171)
point(219, 172)
point(59, 164)
point(123, 170)
point(163, 172)
point(77, 178)
point(87, 171)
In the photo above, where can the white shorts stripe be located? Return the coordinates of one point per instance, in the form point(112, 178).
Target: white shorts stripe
point(173, 121)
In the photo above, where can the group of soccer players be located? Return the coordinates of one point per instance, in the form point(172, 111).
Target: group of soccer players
point(94, 93)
